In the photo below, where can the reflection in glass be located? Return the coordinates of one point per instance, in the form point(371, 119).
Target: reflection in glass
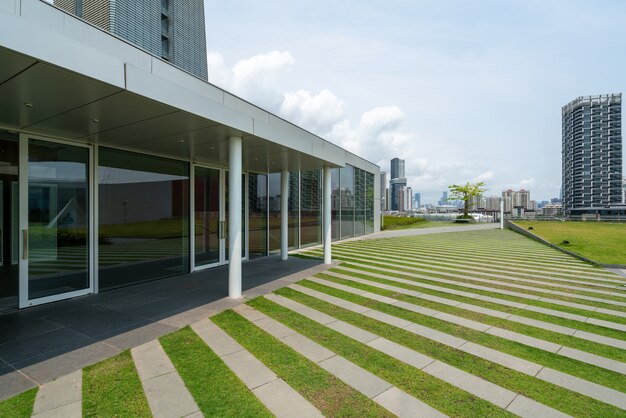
point(294, 210)
point(347, 201)
point(58, 219)
point(243, 215)
point(369, 203)
point(335, 203)
point(257, 215)
point(359, 201)
point(274, 212)
point(311, 208)
point(9, 227)
point(207, 216)
point(143, 218)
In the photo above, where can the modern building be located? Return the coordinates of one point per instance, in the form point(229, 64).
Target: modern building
point(417, 198)
point(118, 167)
point(172, 30)
point(592, 152)
point(405, 199)
point(397, 169)
point(383, 191)
point(517, 204)
point(395, 185)
point(444, 199)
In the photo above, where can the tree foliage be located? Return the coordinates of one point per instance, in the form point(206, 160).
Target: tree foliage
point(465, 192)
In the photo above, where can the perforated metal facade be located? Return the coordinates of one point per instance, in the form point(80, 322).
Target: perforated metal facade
point(171, 29)
point(592, 152)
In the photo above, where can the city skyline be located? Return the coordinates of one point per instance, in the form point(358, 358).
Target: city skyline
point(469, 83)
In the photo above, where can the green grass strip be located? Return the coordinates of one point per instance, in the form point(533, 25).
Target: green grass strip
point(19, 406)
point(567, 365)
point(327, 393)
point(197, 364)
point(112, 388)
point(518, 270)
point(495, 306)
point(527, 301)
point(437, 393)
point(497, 283)
point(551, 395)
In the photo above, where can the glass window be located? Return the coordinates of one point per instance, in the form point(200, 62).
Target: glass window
point(369, 203)
point(257, 215)
point(347, 201)
point(207, 216)
point(335, 203)
point(359, 201)
point(294, 210)
point(274, 212)
point(143, 227)
point(9, 226)
point(311, 208)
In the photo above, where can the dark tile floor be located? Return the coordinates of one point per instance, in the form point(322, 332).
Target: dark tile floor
point(42, 343)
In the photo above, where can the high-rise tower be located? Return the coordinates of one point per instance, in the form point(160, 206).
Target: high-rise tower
point(172, 30)
point(592, 152)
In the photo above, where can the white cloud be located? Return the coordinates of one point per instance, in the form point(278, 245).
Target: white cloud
point(316, 112)
point(487, 175)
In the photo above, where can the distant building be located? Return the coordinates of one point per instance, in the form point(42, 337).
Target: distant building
point(397, 169)
point(517, 204)
point(552, 210)
point(417, 198)
point(384, 203)
point(592, 152)
point(395, 185)
point(444, 199)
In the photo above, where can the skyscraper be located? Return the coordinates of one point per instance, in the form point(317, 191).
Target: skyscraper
point(397, 168)
point(592, 152)
point(397, 182)
point(172, 30)
point(383, 191)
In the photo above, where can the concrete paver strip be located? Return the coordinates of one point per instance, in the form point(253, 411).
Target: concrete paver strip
point(311, 313)
point(351, 374)
point(165, 390)
point(284, 401)
point(400, 352)
point(606, 363)
point(584, 387)
point(515, 363)
point(353, 332)
point(489, 281)
point(525, 407)
point(479, 387)
point(515, 318)
point(456, 377)
point(280, 398)
point(60, 397)
point(403, 405)
point(485, 269)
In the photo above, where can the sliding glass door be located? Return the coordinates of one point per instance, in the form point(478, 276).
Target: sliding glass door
point(56, 221)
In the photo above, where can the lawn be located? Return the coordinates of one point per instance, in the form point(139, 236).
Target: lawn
point(466, 345)
point(397, 222)
point(601, 242)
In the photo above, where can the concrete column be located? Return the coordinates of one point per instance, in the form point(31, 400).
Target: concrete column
point(234, 216)
point(284, 214)
point(327, 216)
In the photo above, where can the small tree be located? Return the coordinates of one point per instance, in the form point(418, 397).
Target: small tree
point(465, 193)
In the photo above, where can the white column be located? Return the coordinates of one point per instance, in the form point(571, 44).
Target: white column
point(234, 217)
point(327, 216)
point(284, 214)
point(501, 213)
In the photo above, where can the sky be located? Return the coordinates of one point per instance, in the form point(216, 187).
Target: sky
point(462, 90)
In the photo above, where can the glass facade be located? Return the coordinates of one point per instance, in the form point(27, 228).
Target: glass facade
point(335, 206)
point(257, 215)
point(9, 225)
point(273, 206)
point(359, 201)
point(143, 225)
point(58, 218)
point(310, 208)
point(346, 178)
point(369, 202)
point(294, 210)
point(208, 230)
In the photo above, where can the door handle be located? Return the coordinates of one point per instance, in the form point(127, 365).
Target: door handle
point(24, 244)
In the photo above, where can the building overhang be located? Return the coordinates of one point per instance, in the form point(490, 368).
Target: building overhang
point(62, 77)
